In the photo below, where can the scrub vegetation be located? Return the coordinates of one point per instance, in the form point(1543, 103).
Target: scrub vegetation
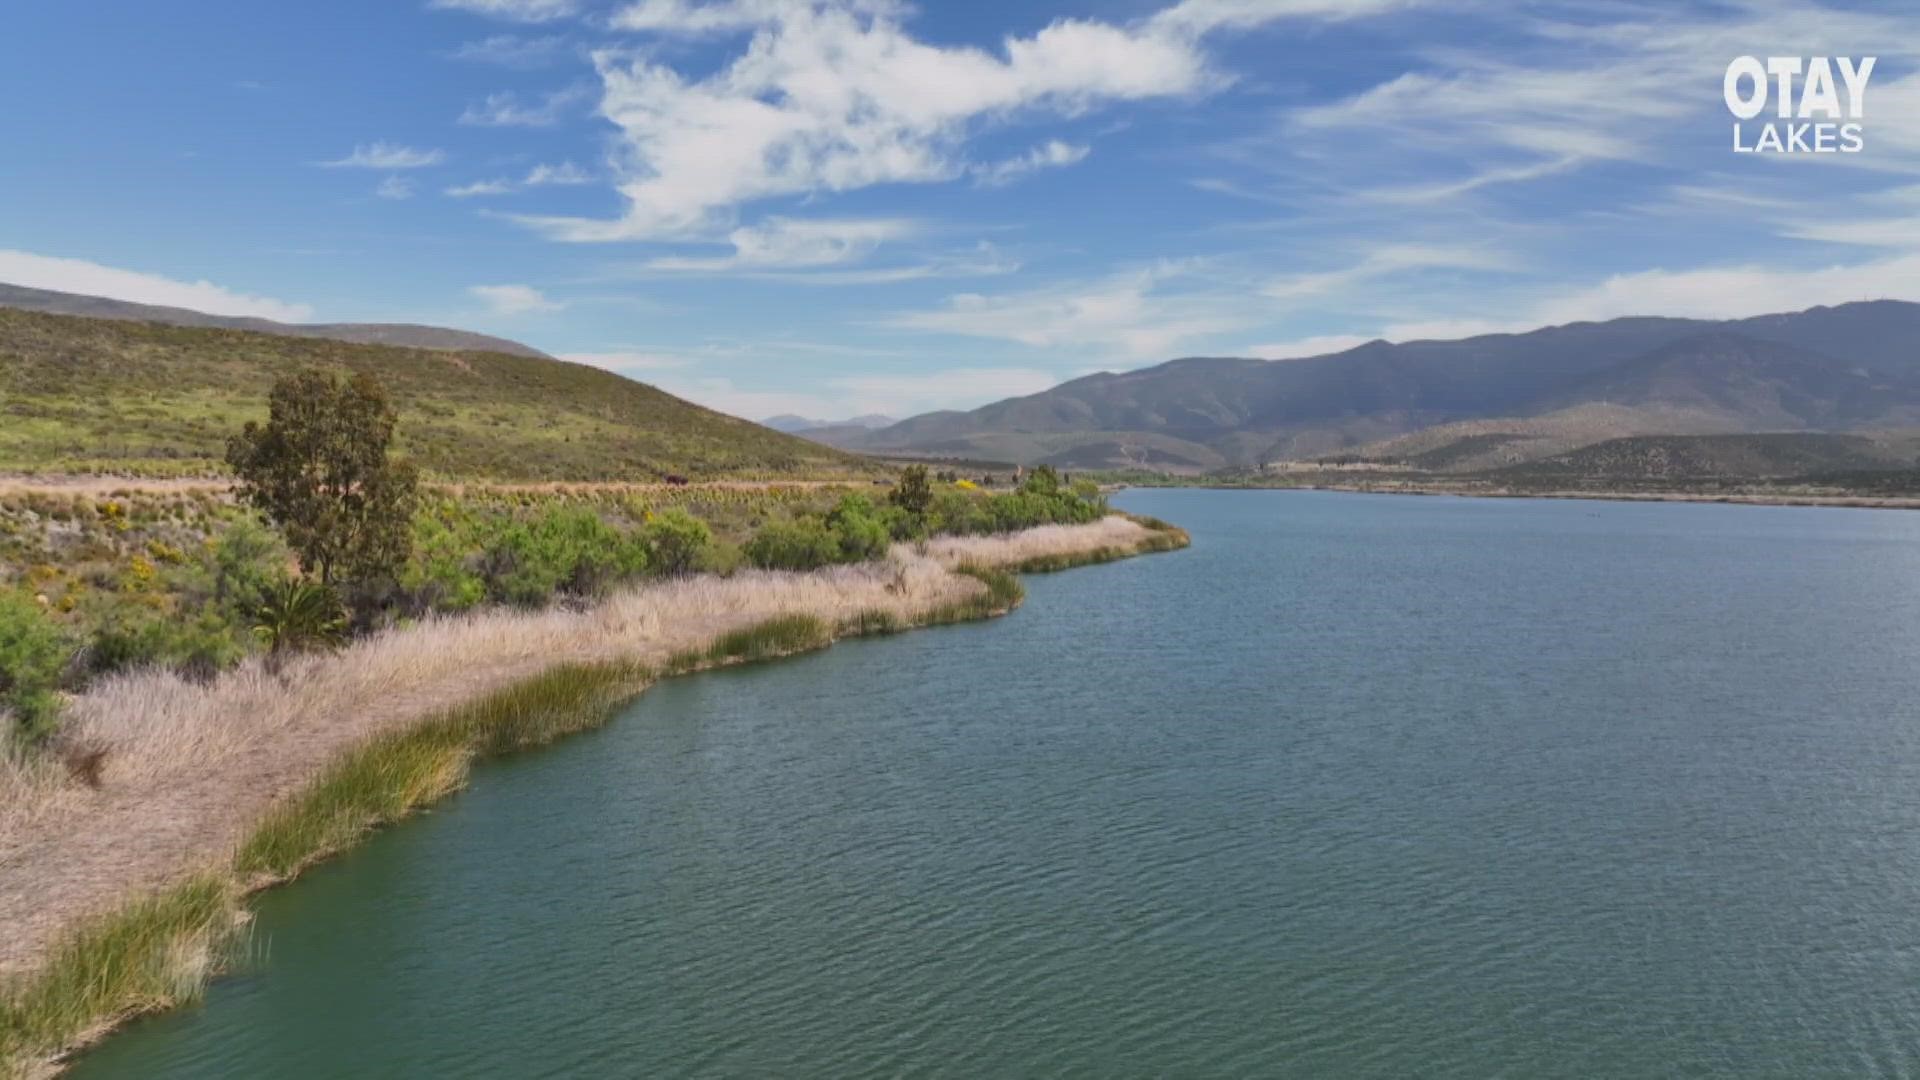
point(132, 398)
point(251, 683)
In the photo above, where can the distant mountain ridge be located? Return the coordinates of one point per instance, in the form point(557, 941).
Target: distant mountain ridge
point(406, 335)
point(799, 425)
point(1841, 368)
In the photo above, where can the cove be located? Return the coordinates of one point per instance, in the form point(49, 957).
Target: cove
point(1357, 785)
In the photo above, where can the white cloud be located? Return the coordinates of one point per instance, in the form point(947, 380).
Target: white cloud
point(526, 11)
point(679, 17)
point(564, 174)
point(786, 242)
point(384, 155)
point(1129, 312)
point(1053, 154)
point(983, 260)
point(626, 361)
point(1641, 87)
point(1205, 16)
point(514, 299)
point(93, 279)
point(853, 395)
point(828, 99)
point(506, 109)
point(395, 187)
point(907, 394)
point(511, 51)
point(1383, 261)
point(1731, 292)
point(480, 188)
point(1319, 345)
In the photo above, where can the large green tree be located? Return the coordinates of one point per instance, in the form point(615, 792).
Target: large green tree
point(320, 468)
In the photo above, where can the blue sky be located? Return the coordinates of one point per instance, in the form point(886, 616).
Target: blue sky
point(836, 207)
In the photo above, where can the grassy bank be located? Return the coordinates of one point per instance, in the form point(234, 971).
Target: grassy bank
point(157, 951)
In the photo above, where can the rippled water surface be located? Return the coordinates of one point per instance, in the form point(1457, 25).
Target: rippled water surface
point(1355, 786)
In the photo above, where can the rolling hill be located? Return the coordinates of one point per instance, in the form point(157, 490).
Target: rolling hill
point(1524, 396)
point(403, 334)
point(87, 394)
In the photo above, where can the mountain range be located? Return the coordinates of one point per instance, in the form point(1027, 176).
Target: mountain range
point(794, 425)
point(1490, 400)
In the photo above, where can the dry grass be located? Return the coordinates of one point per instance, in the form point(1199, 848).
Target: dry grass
point(185, 769)
point(1039, 543)
point(256, 774)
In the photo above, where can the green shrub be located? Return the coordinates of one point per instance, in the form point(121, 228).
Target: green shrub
point(802, 544)
point(246, 558)
point(564, 550)
point(440, 574)
point(677, 542)
point(33, 652)
point(861, 533)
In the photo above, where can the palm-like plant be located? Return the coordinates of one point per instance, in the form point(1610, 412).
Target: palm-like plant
point(299, 614)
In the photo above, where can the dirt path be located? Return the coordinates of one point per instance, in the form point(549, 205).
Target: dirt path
point(98, 486)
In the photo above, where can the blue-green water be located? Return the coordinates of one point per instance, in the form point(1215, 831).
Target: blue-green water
point(1355, 786)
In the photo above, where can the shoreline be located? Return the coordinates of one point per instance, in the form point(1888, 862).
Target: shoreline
point(1737, 498)
point(120, 900)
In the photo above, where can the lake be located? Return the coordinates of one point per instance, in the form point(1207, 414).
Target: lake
point(1356, 786)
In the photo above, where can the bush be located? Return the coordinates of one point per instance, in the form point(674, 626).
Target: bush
point(804, 544)
point(245, 559)
point(564, 550)
point(677, 542)
point(440, 574)
point(33, 652)
point(1038, 502)
point(195, 645)
point(857, 524)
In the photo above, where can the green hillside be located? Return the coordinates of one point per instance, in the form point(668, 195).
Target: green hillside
point(79, 394)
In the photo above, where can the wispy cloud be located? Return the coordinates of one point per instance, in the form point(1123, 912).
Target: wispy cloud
point(786, 242)
point(1053, 154)
point(1721, 292)
point(1136, 314)
point(565, 174)
point(1317, 345)
point(525, 11)
point(395, 187)
point(627, 361)
point(514, 299)
point(1385, 260)
point(480, 188)
point(512, 51)
point(385, 155)
point(93, 279)
point(507, 109)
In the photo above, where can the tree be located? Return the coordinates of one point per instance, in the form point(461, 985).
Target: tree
point(1043, 480)
point(320, 470)
point(913, 493)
